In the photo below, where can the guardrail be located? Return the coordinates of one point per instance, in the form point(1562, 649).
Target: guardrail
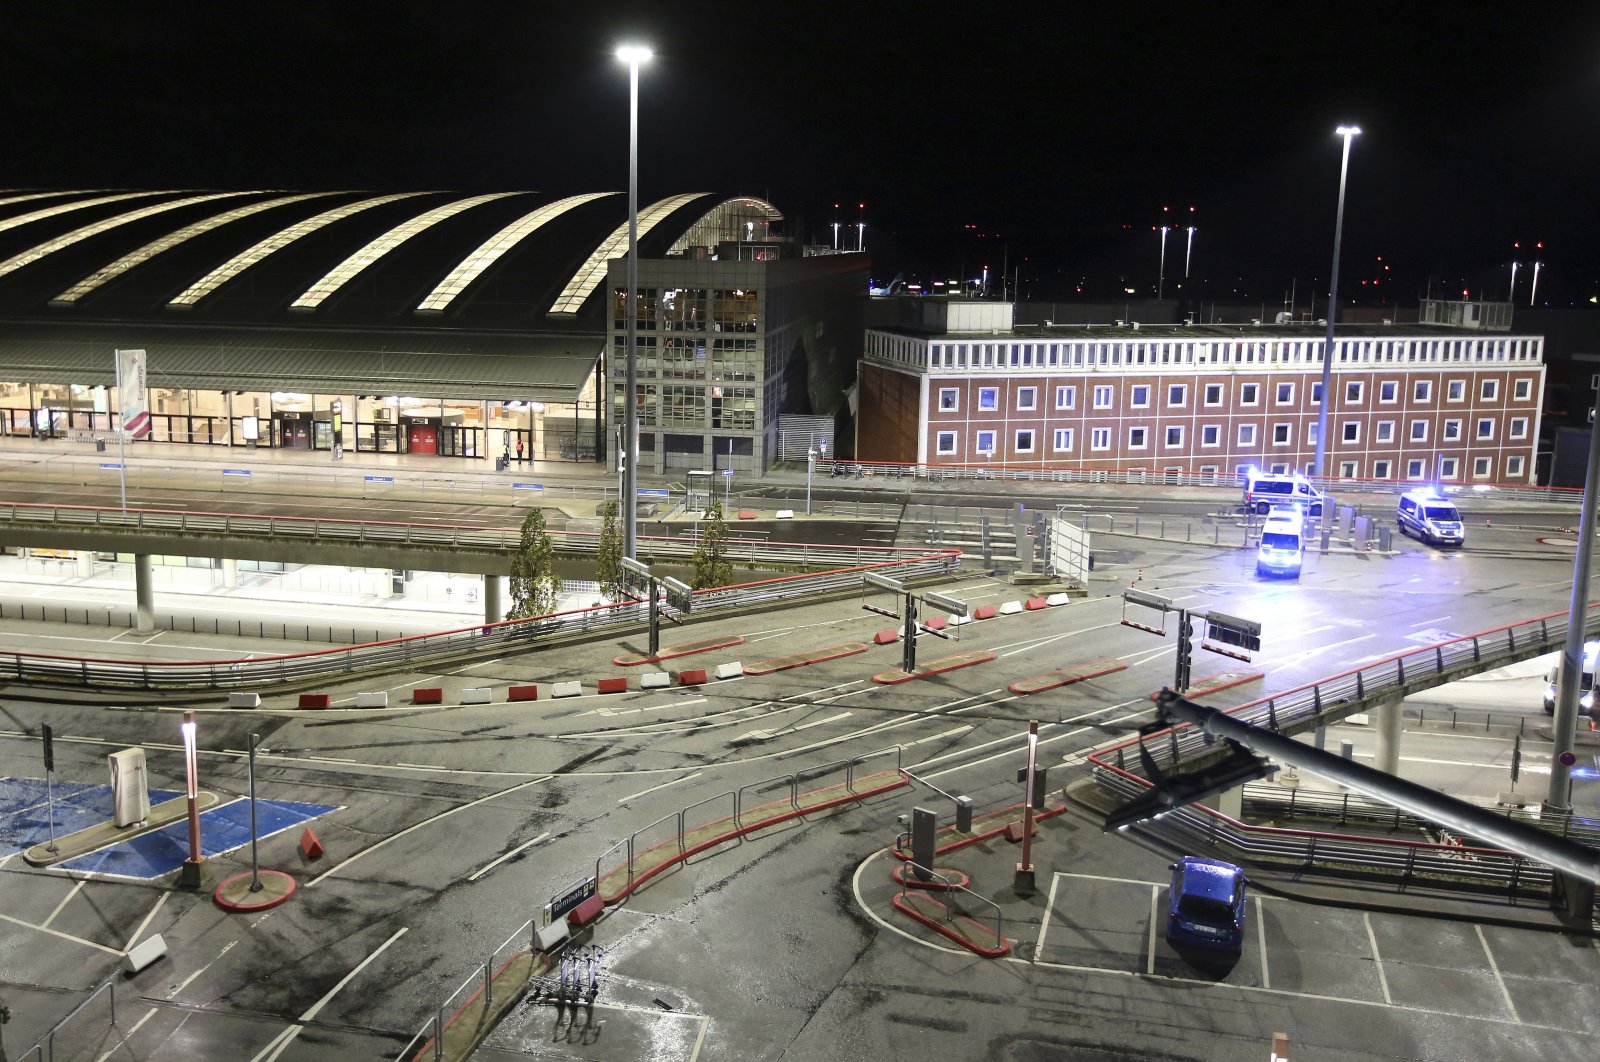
point(45, 1048)
point(1348, 808)
point(486, 637)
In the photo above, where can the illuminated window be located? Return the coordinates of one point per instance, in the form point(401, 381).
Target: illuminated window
point(985, 442)
point(988, 398)
point(492, 249)
point(593, 271)
point(166, 243)
point(351, 267)
point(33, 254)
point(274, 243)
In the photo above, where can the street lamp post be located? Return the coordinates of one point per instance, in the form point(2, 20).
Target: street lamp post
point(1161, 272)
point(811, 465)
point(1320, 465)
point(193, 873)
point(633, 55)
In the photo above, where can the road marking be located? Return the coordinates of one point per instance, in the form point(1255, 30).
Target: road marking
point(1155, 911)
point(1377, 959)
point(186, 981)
point(768, 735)
point(1494, 966)
point(663, 785)
point(425, 822)
point(128, 1035)
point(1431, 622)
point(285, 1038)
point(74, 891)
point(474, 876)
point(137, 933)
point(1044, 923)
point(65, 936)
point(952, 732)
point(1261, 932)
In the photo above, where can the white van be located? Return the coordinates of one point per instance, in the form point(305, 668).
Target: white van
point(1431, 518)
point(1283, 543)
point(1591, 652)
point(1263, 490)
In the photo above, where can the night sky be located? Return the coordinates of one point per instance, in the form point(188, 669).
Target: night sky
point(1056, 131)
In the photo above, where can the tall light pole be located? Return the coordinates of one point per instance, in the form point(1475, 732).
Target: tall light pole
point(1320, 465)
point(1188, 253)
point(1161, 273)
point(633, 55)
point(193, 872)
point(1533, 292)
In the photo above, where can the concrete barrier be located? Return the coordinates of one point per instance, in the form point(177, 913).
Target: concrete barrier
point(1034, 604)
point(522, 693)
point(614, 685)
point(244, 700)
point(1057, 599)
point(427, 695)
point(1011, 608)
point(566, 689)
point(747, 514)
point(654, 680)
point(732, 669)
point(960, 621)
point(983, 612)
point(378, 699)
point(310, 847)
point(478, 695)
point(692, 677)
point(888, 637)
point(143, 954)
point(784, 514)
point(315, 700)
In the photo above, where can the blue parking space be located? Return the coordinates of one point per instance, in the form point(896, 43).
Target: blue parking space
point(222, 829)
point(25, 815)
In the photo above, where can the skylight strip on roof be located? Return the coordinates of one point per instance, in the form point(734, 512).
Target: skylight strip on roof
point(63, 208)
point(171, 240)
point(592, 272)
point(49, 247)
point(276, 242)
point(490, 251)
point(346, 271)
point(35, 195)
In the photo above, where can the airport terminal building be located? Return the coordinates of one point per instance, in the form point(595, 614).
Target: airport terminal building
point(959, 383)
point(462, 326)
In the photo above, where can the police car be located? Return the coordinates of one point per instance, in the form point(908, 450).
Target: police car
point(1431, 517)
point(1263, 490)
point(1552, 678)
point(1283, 542)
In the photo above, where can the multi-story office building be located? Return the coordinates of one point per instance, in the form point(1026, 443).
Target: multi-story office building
point(1409, 402)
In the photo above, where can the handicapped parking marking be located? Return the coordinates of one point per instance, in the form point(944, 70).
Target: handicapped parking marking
point(26, 818)
point(222, 830)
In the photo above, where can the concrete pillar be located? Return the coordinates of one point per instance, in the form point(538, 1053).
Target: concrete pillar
point(1390, 713)
point(143, 594)
point(1230, 802)
point(493, 610)
point(85, 560)
point(230, 572)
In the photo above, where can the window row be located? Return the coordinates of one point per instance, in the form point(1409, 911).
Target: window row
point(1103, 396)
point(1172, 437)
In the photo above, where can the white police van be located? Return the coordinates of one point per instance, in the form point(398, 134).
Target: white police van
point(1431, 517)
point(1591, 651)
point(1283, 542)
point(1263, 490)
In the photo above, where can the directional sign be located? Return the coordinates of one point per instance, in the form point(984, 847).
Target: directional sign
point(235, 471)
point(527, 486)
point(379, 479)
point(654, 493)
point(567, 901)
point(727, 471)
point(111, 466)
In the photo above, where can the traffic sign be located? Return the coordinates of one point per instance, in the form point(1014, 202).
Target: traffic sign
point(727, 471)
point(112, 466)
point(235, 471)
point(527, 486)
point(379, 479)
point(654, 493)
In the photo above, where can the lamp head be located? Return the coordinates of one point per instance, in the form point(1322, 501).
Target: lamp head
point(633, 54)
point(1348, 130)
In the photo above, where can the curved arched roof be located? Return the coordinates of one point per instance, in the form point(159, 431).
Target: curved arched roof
point(476, 275)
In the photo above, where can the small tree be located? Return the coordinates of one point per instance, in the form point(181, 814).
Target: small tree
point(711, 564)
point(535, 590)
point(608, 555)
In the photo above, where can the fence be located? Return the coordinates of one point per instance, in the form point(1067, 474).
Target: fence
point(45, 1048)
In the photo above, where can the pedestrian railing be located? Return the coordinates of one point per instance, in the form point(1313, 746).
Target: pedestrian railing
point(956, 892)
point(45, 1048)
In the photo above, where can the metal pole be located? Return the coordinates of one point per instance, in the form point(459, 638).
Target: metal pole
point(1026, 866)
point(1563, 730)
point(1320, 465)
point(811, 464)
point(255, 863)
point(193, 875)
point(908, 652)
point(630, 400)
point(50, 802)
point(122, 435)
point(1161, 274)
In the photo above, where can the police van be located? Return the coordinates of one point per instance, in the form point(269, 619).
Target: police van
point(1263, 490)
point(1283, 542)
point(1431, 517)
point(1591, 650)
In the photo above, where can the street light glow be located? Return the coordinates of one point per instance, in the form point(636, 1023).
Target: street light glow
point(633, 54)
point(1348, 130)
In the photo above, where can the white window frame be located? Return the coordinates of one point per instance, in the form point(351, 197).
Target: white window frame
point(954, 395)
point(1350, 431)
point(1451, 431)
point(1453, 386)
point(1482, 467)
point(978, 442)
point(1521, 389)
point(1027, 398)
point(1316, 392)
point(1385, 431)
point(1221, 394)
point(1017, 437)
point(1416, 468)
point(1247, 435)
point(1514, 465)
point(1139, 396)
point(1489, 391)
point(988, 400)
point(1066, 396)
point(1278, 394)
point(1393, 387)
point(1360, 390)
point(1250, 394)
point(1106, 392)
point(1061, 441)
point(1380, 470)
point(944, 442)
point(1415, 436)
point(1166, 437)
point(1182, 391)
point(1347, 470)
point(1449, 468)
point(1138, 438)
point(1518, 428)
point(1422, 391)
point(1099, 438)
point(1210, 435)
point(1286, 430)
point(1482, 435)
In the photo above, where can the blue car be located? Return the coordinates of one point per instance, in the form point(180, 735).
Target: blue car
point(1205, 905)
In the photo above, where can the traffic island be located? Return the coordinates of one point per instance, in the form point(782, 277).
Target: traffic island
point(944, 879)
point(104, 834)
point(784, 663)
point(935, 667)
point(672, 651)
point(968, 932)
point(271, 888)
point(1217, 683)
point(1066, 676)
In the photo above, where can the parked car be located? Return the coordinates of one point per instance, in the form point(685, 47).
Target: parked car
point(1431, 517)
point(1205, 904)
point(1263, 490)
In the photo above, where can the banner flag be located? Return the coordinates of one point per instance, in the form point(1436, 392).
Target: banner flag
point(132, 395)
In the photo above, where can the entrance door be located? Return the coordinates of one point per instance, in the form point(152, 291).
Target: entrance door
point(424, 439)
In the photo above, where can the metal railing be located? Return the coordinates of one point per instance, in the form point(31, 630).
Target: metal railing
point(954, 891)
point(45, 1048)
point(485, 637)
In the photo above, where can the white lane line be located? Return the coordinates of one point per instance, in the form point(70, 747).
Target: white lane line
point(426, 822)
point(1430, 622)
point(181, 985)
point(663, 785)
point(137, 933)
point(1261, 932)
point(285, 1038)
point(128, 1035)
point(63, 936)
point(1044, 922)
point(1494, 966)
point(1377, 959)
point(952, 732)
point(475, 875)
point(73, 892)
point(1155, 910)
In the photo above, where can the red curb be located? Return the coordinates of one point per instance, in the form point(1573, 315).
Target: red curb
point(315, 700)
point(906, 878)
point(938, 667)
point(672, 652)
point(784, 663)
point(1201, 689)
point(937, 623)
point(900, 782)
point(1034, 604)
point(747, 514)
point(1066, 676)
point(427, 1048)
point(983, 612)
point(697, 677)
point(522, 693)
point(886, 637)
point(427, 695)
point(229, 905)
point(613, 685)
point(944, 930)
